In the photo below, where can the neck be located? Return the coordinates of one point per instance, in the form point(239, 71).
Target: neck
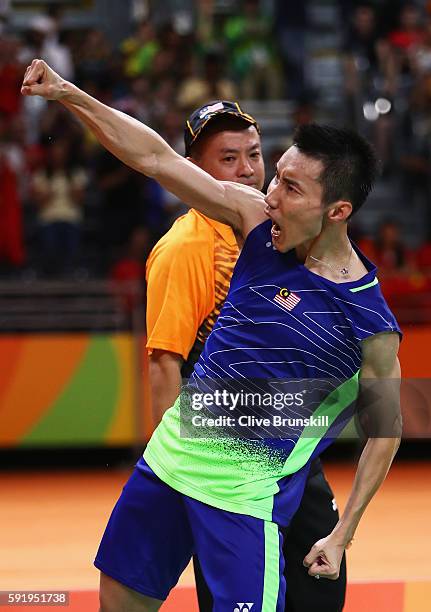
point(331, 244)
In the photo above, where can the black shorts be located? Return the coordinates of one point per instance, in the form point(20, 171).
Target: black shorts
point(316, 517)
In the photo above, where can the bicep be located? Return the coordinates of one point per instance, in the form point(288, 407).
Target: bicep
point(231, 203)
point(379, 399)
point(380, 356)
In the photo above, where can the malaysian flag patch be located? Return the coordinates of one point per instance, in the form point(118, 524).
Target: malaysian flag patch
point(286, 299)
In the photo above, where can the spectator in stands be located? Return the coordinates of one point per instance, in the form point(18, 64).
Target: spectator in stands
point(4, 15)
point(54, 50)
point(387, 11)
point(423, 259)
point(207, 30)
point(165, 65)
point(11, 239)
point(290, 24)
point(17, 152)
point(157, 68)
point(366, 55)
point(163, 98)
point(171, 129)
point(392, 255)
point(122, 204)
point(58, 191)
point(415, 154)
point(170, 40)
point(369, 75)
point(409, 31)
point(388, 250)
point(409, 35)
point(198, 89)
point(304, 111)
point(45, 42)
point(33, 41)
point(138, 101)
point(140, 49)
point(32, 47)
point(252, 58)
point(92, 58)
point(420, 53)
point(11, 72)
point(403, 273)
point(128, 273)
point(55, 125)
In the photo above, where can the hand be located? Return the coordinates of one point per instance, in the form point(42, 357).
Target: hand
point(324, 558)
point(41, 80)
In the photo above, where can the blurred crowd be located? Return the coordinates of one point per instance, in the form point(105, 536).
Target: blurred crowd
point(387, 67)
point(69, 209)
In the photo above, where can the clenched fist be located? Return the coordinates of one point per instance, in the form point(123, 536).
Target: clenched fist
point(41, 80)
point(324, 558)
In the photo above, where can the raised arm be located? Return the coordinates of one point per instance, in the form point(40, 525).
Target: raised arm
point(380, 417)
point(141, 148)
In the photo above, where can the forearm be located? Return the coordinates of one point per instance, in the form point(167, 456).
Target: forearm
point(380, 417)
point(378, 409)
point(165, 381)
point(134, 143)
point(141, 148)
point(374, 464)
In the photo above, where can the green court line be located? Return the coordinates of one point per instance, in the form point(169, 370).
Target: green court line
point(332, 406)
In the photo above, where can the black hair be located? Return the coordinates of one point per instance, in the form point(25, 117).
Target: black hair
point(350, 165)
point(220, 123)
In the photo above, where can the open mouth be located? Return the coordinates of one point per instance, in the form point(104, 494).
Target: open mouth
point(275, 231)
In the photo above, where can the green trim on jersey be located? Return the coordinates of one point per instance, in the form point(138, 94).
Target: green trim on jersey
point(271, 578)
point(332, 406)
point(367, 286)
point(237, 475)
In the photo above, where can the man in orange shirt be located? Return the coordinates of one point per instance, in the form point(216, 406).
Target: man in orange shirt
point(188, 276)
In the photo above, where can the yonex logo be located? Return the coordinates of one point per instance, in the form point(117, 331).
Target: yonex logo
point(243, 607)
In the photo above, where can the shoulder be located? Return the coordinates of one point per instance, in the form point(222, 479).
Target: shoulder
point(384, 342)
point(368, 311)
point(364, 301)
point(189, 232)
point(189, 240)
point(380, 353)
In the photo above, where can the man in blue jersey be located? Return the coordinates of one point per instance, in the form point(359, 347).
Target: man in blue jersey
point(304, 304)
point(196, 259)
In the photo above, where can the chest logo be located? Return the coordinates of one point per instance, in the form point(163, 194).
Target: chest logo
point(287, 299)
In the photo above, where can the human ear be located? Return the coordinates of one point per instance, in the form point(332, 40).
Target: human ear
point(340, 211)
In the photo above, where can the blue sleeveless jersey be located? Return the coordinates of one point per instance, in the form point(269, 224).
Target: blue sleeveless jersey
point(285, 334)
